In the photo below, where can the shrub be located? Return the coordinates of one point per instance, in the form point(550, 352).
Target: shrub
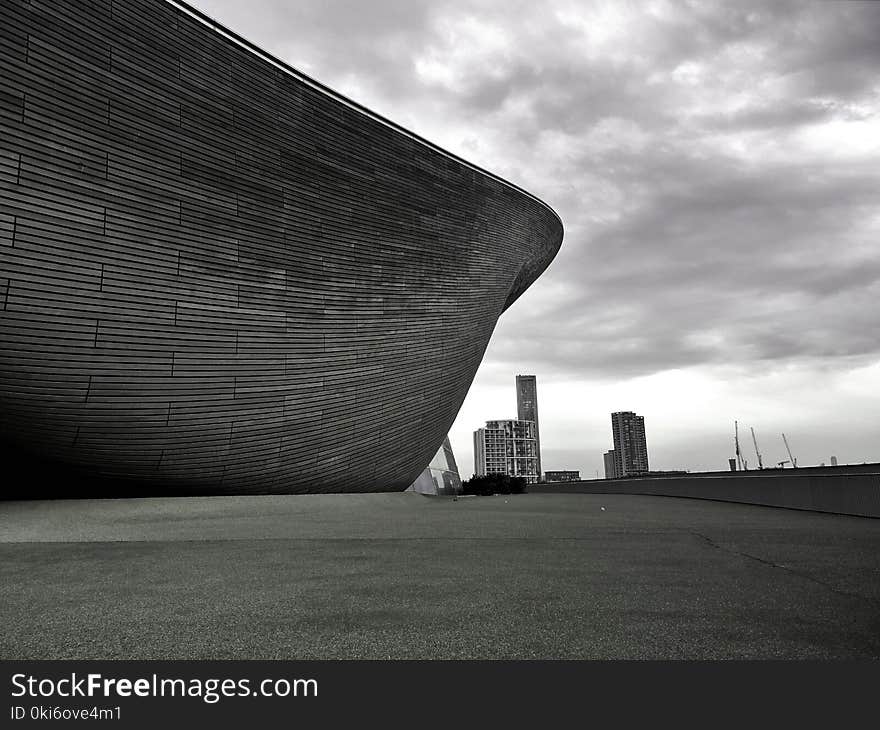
point(489, 484)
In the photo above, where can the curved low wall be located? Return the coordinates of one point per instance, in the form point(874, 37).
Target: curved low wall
point(846, 493)
point(215, 275)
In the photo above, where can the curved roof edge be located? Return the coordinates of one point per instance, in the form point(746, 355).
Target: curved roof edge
point(299, 75)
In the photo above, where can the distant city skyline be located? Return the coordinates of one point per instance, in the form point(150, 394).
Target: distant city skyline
point(674, 427)
point(717, 169)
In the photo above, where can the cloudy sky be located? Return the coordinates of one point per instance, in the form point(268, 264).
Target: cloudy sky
point(717, 169)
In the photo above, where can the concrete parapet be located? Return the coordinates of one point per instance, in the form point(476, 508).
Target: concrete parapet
point(847, 493)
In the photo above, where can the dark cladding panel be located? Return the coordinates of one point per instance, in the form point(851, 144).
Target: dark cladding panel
point(11, 105)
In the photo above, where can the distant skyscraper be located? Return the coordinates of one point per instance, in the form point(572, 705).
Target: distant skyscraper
point(833, 461)
point(630, 446)
point(527, 407)
point(507, 447)
point(610, 465)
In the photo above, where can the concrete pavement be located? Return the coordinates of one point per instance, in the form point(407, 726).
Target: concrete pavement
point(406, 576)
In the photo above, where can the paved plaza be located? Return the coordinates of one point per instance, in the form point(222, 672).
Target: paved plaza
point(405, 576)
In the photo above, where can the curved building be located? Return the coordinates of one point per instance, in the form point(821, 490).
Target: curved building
point(216, 275)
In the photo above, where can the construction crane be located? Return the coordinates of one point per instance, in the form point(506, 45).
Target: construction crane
point(755, 441)
point(781, 464)
point(739, 459)
point(793, 460)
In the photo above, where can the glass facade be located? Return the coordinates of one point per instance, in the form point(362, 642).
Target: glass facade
point(441, 475)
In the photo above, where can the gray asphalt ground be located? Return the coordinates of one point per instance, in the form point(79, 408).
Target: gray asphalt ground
point(406, 576)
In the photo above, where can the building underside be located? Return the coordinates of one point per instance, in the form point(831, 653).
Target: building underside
point(218, 276)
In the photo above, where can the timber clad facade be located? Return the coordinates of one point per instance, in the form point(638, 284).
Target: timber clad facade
point(215, 274)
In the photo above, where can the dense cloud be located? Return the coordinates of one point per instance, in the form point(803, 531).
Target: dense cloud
point(716, 165)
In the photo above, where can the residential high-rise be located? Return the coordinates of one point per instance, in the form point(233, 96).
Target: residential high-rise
point(630, 446)
point(527, 407)
point(610, 465)
point(507, 447)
